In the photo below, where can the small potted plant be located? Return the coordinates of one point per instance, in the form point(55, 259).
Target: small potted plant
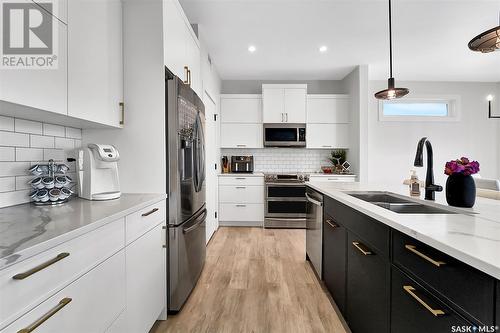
point(337, 157)
point(460, 186)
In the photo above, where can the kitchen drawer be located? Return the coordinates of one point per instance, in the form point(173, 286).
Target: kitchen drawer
point(241, 212)
point(241, 180)
point(95, 301)
point(85, 251)
point(332, 178)
point(415, 309)
point(376, 234)
point(241, 194)
point(140, 222)
point(466, 287)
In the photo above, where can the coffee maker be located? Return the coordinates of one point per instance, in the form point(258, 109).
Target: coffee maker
point(97, 172)
point(242, 164)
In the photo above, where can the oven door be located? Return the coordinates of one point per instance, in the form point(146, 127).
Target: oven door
point(285, 201)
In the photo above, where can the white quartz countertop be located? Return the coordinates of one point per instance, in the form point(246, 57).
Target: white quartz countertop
point(26, 229)
point(241, 174)
point(472, 236)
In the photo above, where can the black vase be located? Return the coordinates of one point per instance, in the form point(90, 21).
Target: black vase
point(460, 191)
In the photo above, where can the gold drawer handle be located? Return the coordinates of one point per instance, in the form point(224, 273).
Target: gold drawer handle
point(154, 210)
point(410, 290)
point(22, 276)
point(362, 248)
point(413, 248)
point(62, 303)
point(332, 224)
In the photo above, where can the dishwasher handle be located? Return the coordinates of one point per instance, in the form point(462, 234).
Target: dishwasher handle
point(314, 201)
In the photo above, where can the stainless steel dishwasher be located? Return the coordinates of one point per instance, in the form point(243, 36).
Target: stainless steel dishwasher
point(314, 230)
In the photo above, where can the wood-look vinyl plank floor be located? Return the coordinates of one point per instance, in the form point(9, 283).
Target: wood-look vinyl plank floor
point(256, 280)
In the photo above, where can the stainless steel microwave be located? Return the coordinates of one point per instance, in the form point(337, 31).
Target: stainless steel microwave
point(284, 135)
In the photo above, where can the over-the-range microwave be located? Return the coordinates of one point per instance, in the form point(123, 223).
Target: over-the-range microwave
point(284, 135)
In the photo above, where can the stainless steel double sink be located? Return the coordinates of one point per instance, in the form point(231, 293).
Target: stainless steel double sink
point(398, 204)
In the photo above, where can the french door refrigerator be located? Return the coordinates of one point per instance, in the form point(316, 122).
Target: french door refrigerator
point(186, 190)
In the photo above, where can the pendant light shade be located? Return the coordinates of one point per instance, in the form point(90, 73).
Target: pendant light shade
point(486, 42)
point(391, 92)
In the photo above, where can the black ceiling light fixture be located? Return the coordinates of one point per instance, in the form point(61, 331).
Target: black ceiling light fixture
point(391, 92)
point(488, 41)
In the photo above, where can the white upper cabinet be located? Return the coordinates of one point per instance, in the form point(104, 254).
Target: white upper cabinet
point(327, 136)
point(241, 135)
point(95, 69)
point(284, 103)
point(241, 109)
point(332, 109)
point(181, 47)
point(44, 89)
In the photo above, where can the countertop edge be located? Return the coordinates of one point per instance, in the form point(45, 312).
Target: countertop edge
point(473, 261)
point(53, 242)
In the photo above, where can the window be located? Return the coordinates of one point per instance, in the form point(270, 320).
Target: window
point(420, 109)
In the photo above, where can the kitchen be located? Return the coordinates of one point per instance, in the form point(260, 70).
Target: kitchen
point(244, 167)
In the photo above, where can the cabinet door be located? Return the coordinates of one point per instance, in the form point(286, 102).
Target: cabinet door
point(368, 273)
point(334, 260)
point(327, 136)
point(241, 109)
point(295, 105)
point(146, 279)
point(174, 31)
point(327, 109)
point(95, 301)
point(44, 89)
point(241, 135)
point(193, 62)
point(273, 101)
point(414, 309)
point(95, 71)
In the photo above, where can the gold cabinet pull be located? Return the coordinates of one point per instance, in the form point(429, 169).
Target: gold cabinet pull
point(154, 210)
point(62, 303)
point(186, 70)
point(331, 223)
point(413, 249)
point(189, 77)
point(362, 248)
point(24, 275)
point(411, 291)
point(122, 110)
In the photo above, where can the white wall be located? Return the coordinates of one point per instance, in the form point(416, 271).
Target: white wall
point(356, 85)
point(392, 145)
point(141, 142)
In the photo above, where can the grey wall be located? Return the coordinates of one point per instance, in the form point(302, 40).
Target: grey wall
point(255, 86)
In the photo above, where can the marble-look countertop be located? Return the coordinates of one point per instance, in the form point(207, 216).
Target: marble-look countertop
point(472, 236)
point(26, 230)
point(241, 174)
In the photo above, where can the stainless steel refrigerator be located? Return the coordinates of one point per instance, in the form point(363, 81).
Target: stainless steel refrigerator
point(186, 190)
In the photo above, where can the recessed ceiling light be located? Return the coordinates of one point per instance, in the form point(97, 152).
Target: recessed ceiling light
point(323, 48)
point(252, 49)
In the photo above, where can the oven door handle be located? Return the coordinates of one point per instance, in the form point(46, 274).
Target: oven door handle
point(316, 202)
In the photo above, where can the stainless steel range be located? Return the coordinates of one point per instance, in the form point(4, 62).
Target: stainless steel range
point(286, 202)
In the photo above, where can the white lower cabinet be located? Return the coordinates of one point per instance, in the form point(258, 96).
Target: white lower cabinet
point(241, 135)
point(332, 178)
point(90, 304)
point(241, 200)
point(146, 280)
point(327, 136)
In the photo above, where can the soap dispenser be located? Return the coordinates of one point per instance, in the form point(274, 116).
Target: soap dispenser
point(414, 184)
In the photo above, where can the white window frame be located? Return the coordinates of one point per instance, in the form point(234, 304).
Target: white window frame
point(453, 102)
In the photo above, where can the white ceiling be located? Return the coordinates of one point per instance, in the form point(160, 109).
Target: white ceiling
point(430, 38)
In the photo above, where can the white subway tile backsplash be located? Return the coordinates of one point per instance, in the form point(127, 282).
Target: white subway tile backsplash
point(54, 130)
point(65, 143)
point(29, 154)
point(13, 168)
point(38, 141)
point(14, 139)
point(25, 143)
point(7, 184)
point(74, 133)
point(6, 124)
point(53, 154)
point(7, 154)
point(27, 126)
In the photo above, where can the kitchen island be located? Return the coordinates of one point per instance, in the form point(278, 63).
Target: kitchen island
point(393, 272)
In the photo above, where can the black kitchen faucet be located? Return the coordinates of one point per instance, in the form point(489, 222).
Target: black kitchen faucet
point(430, 187)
